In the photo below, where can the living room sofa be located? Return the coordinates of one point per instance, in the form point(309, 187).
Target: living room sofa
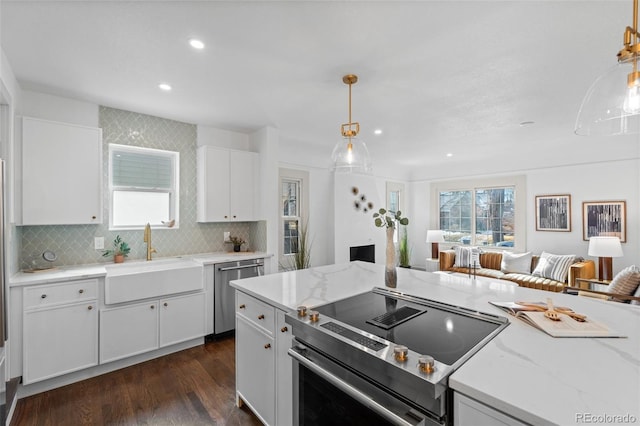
point(491, 262)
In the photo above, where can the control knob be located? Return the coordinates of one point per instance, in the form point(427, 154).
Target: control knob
point(426, 364)
point(314, 316)
point(401, 353)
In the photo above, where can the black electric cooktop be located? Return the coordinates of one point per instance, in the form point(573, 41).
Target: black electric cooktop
point(445, 334)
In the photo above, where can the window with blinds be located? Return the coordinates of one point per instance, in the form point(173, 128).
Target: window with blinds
point(143, 186)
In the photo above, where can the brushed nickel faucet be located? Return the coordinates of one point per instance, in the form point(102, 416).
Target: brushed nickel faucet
point(147, 239)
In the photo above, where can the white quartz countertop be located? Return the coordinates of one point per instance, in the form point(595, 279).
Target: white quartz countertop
point(98, 270)
point(523, 372)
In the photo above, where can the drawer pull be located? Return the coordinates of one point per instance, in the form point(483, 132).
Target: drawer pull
point(261, 317)
point(44, 296)
point(93, 217)
point(284, 329)
point(166, 304)
point(242, 306)
point(81, 291)
point(90, 307)
point(267, 346)
point(152, 306)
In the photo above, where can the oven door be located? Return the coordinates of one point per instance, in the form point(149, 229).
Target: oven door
point(325, 392)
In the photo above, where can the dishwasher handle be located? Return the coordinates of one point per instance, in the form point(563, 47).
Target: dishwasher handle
point(235, 268)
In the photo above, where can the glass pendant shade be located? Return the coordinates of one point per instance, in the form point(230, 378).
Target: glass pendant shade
point(611, 106)
point(351, 155)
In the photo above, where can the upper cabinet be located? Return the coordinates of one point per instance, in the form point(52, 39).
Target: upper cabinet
point(226, 185)
point(61, 173)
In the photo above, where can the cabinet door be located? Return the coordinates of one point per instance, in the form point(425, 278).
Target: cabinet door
point(255, 367)
point(182, 318)
point(128, 330)
point(284, 373)
point(59, 340)
point(61, 173)
point(467, 411)
point(213, 184)
point(241, 185)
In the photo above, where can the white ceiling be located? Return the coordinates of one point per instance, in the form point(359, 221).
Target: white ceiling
point(437, 77)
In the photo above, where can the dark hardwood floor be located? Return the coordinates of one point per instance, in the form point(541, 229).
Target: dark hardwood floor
point(192, 387)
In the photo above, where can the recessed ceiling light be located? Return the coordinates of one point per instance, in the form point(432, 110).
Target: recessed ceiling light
point(449, 154)
point(164, 86)
point(377, 131)
point(196, 44)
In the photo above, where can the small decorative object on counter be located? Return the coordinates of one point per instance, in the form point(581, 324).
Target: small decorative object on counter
point(385, 219)
point(237, 243)
point(119, 252)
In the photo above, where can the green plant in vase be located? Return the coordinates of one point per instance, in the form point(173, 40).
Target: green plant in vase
point(389, 220)
point(237, 243)
point(120, 250)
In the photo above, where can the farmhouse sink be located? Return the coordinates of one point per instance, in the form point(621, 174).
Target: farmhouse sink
point(142, 280)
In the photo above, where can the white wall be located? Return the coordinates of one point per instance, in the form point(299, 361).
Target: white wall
point(57, 108)
point(223, 138)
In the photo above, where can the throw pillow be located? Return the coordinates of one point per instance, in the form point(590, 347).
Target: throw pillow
point(636, 294)
point(554, 266)
point(516, 262)
point(626, 281)
point(464, 256)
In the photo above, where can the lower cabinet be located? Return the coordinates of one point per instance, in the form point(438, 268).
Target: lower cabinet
point(263, 367)
point(141, 327)
point(56, 318)
point(467, 411)
point(51, 333)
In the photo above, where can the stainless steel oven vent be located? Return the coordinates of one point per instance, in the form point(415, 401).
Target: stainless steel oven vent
point(391, 319)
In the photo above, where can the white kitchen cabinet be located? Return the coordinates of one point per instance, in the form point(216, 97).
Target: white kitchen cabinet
point(128, 330)
point(61, 173)
point(182, 318)
point(469, 412)
point(263, 367)
point(145, 326)
point(60, 323)
point(284, 381)
point(226, 185)
point(255, 379)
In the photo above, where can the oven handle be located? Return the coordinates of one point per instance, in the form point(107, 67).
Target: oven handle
point(349, 390)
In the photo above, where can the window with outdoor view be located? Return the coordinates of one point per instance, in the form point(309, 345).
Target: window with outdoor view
point(290, 215)
point(471, 213)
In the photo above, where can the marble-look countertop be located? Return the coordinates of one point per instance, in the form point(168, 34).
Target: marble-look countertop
point(522, 372)
point(99, 269)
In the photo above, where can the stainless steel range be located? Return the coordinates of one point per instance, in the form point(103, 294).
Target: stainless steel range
point(382, 357)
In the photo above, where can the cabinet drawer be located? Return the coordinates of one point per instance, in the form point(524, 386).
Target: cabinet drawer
point(60, 293)
point(255, 311)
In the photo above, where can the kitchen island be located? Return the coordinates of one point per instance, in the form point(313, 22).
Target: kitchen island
point(523, 373)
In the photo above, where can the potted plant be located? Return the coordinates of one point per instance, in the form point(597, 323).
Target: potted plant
point(120, 250)
point(237, 243)
point(301, 257)
point(388, 220)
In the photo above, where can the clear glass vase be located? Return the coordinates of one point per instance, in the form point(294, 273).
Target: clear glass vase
point(390, 274)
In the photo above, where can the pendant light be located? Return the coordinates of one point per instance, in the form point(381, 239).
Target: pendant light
point(350, 154)
point(612, 104)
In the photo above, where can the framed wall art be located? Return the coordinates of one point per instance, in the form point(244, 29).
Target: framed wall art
point(604, 218)
point(553, 213)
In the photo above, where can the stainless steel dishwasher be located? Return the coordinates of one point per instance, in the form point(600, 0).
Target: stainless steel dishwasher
point(224, 312)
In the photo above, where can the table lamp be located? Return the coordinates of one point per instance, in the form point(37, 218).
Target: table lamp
point(604, 248)
point(435, 236)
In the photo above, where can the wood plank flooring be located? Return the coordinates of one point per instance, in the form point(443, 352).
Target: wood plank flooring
point(192, 387)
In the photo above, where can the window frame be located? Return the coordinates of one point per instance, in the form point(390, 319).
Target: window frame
point(520, 205)
point(173, 190)
point(302, 177)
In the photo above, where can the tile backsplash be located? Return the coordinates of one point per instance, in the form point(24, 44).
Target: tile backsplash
point(73, 244)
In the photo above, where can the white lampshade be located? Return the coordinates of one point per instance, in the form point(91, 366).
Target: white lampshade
point(435, 236)
point(605, 247)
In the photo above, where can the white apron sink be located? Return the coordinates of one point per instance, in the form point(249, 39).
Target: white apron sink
point(142, 280)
